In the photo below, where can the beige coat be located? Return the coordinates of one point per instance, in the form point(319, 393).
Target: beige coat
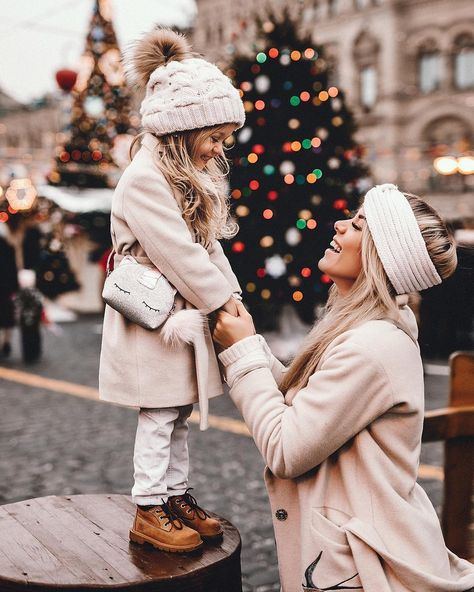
point(342, 457)
point(136, 368)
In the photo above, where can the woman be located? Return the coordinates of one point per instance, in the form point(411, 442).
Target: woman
point(341, 429)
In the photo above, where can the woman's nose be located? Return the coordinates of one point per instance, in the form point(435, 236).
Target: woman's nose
point(339, 226)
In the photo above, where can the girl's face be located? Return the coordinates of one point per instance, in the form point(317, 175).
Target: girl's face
point(342, 261)
point(212, 145)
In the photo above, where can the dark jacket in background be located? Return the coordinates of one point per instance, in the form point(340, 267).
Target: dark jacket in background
point(8, 284)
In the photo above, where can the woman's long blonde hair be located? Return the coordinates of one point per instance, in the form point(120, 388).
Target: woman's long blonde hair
point(204, 202)
point(372, 296)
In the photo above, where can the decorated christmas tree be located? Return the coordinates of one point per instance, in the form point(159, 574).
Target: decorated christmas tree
point(100, 114)
point(295, 171)
point(98, 129)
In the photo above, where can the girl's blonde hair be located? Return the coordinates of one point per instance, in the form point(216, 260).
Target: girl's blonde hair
point(204, 204)
point(372, 296)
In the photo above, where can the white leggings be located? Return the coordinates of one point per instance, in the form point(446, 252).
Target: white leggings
point(161, 458)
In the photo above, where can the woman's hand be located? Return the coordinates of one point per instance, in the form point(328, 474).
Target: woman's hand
point(230, 329)
point(231, 307)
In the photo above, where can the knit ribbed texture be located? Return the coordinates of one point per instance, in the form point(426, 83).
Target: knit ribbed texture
point(240, 349)
point(189, 94)
point(249, 353)
point(398, 240)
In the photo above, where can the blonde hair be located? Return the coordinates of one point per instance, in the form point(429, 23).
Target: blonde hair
point(372, 296)
point(204, 204)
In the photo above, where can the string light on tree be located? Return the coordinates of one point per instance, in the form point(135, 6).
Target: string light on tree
point(292, 142)
point(101, 109)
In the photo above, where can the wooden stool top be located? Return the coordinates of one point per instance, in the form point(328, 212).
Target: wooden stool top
point(80, 542)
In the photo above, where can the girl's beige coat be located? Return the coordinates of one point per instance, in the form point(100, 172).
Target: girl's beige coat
point(136, 368)
point(342, 457)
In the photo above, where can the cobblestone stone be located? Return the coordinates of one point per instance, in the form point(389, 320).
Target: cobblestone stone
point(54, 444)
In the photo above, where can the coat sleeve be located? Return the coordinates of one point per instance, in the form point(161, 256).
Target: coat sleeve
point(217, 256)
point(347, 393)
point(154, 217)
point(260, 354)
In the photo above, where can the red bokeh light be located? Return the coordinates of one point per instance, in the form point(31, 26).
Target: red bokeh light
point(254, 185)
point(238, 247)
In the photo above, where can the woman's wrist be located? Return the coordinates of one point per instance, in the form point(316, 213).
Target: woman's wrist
point(240, 348)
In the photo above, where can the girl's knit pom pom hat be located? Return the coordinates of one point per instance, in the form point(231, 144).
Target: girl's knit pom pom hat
point(183, 92)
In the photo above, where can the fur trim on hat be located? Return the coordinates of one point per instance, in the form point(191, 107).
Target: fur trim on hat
point(157, 48)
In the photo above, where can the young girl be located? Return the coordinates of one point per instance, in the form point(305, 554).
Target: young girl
point(340, 431)
point(168, 210)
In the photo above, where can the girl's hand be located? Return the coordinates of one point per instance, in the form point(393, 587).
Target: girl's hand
point(231, 307)
point(230, 329)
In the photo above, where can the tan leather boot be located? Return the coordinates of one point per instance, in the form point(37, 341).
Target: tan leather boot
point(187, 510)
point(162, 529)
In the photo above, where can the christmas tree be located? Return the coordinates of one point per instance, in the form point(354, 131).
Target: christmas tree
point(99, 130)
point(295, 171)
point(100, 115)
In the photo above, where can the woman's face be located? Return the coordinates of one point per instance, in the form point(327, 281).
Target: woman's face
point(342, 261)
point(212, 145)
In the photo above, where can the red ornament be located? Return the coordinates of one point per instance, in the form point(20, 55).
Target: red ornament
point(66, 79)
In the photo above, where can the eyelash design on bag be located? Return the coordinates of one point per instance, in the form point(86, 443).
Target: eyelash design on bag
point(309, 586)
point(151, 308)
point(121, 289)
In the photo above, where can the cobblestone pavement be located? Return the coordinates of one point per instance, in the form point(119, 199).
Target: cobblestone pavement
point(56, 444)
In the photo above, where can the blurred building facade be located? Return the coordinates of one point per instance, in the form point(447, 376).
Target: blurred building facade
point(28, 137)
point(407, 68)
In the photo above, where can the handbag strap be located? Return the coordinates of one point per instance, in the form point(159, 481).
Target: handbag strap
point(111, 254)
point(142, 260)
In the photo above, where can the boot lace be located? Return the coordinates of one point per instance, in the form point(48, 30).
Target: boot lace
point(166, 512)
point(189, 503)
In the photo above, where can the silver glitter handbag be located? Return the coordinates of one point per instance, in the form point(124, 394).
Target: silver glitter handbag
point(139, 292)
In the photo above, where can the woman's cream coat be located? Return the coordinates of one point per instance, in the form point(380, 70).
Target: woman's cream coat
point(342, 457)
point(136, 368)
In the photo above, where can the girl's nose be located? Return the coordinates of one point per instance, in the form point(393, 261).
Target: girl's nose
point(218, 150)
point(339, 226)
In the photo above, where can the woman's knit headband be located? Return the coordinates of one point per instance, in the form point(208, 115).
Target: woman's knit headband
point(398, 240)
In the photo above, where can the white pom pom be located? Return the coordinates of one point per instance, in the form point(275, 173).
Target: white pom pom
point(182, 327)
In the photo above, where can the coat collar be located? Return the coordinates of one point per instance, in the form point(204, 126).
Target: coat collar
point(150, 141)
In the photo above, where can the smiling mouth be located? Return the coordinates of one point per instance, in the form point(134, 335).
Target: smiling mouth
point(333, 246)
